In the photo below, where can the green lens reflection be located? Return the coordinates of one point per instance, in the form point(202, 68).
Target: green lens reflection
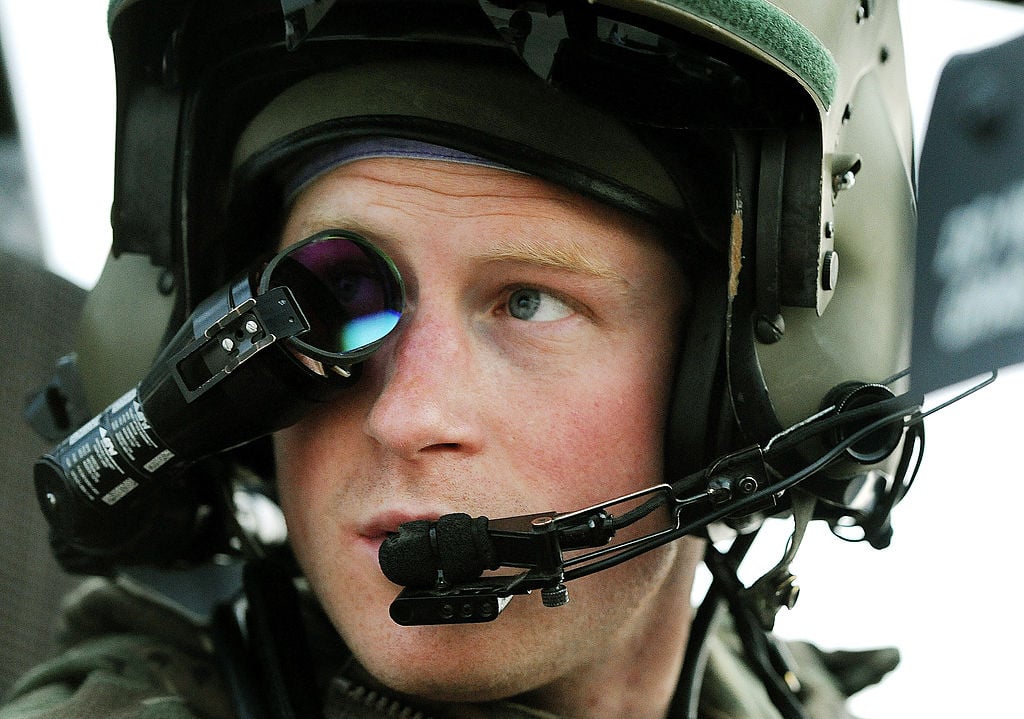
point(362, 331)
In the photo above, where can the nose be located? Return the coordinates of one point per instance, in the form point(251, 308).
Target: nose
point(426, 379)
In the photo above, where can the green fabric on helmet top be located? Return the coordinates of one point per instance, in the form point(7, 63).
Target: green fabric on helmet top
point(766, 27)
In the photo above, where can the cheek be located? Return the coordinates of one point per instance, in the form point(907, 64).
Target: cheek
point(310, 454)
point(305, 486)
point(295, 486)
point(598, 434)
point(312, 498)
point(295, 452)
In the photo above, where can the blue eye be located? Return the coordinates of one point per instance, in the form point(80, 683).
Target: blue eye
point(533, 305)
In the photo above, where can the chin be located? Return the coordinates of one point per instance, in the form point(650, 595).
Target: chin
point(454, 663)
point(463, 669)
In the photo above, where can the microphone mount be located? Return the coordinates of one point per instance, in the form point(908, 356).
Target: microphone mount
point(539, 542)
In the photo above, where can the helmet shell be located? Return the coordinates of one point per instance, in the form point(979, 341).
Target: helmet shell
point(813, 283)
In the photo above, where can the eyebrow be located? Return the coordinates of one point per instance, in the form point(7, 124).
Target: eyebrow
point(572, 258)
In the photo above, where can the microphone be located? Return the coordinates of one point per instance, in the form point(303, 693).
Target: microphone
point(457, 546)
point(440, 563)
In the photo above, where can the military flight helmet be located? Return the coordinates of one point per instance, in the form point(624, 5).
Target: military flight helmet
point(767, 139)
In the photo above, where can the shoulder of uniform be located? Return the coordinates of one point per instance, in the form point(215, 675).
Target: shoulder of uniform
point(127, 655)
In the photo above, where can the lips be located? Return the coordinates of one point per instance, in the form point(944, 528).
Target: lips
point(371, 534)
point(376, 530)
point(388, 522)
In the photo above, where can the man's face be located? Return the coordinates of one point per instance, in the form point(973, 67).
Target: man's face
point(529, 372)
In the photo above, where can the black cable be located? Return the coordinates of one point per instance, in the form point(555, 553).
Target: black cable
point(686, 701)
point(802, 432)
point(235, 662)
point(277, 642)
point(729, 508)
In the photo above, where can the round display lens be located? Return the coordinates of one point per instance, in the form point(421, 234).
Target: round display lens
point(350, 292)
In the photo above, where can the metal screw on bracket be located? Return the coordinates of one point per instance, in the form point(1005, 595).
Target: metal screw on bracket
point(830, 270)
point(843, 181)
point(252, 327)
point(845, 167)
point(227, 344)
point(769, 330)
point(863, 10)
point(747, 485)
point(555, 596)
point(165, 283)
point(787, 592)
point(720, 489)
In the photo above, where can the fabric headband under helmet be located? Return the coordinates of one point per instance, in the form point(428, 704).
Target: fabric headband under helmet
point(496, 114)
point(376, 147)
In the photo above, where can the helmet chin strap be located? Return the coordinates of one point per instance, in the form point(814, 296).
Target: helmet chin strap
point(777, 588)
point(768, 657)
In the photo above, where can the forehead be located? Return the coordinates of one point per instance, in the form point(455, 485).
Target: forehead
point(379, 191)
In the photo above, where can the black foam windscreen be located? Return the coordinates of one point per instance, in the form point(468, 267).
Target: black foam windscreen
point(456, 545)
point(408, 558)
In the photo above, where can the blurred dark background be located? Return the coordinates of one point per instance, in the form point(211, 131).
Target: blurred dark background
point(38, 311)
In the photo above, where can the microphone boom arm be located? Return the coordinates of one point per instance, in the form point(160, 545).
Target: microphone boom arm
point(537, 542)
point(735, 485)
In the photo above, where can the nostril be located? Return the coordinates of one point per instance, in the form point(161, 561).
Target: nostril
point(441, 446)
